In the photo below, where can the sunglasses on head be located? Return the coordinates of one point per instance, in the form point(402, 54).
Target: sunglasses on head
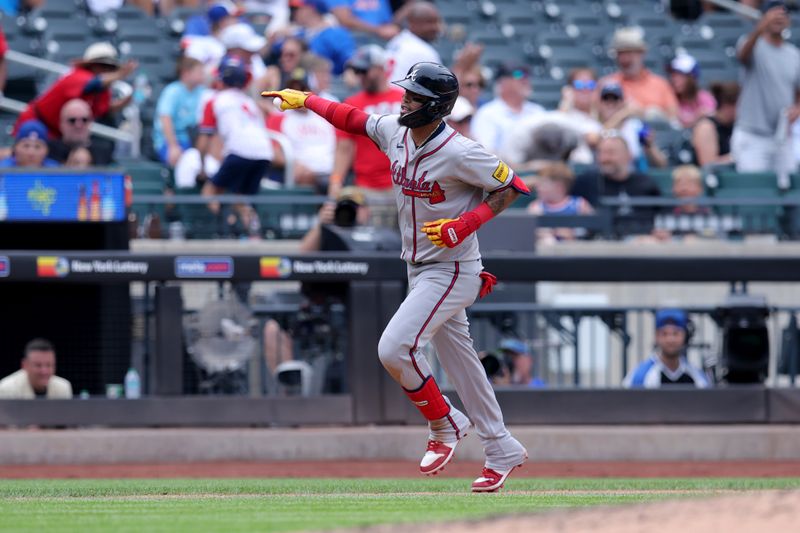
point(584, 85)
point(519, 74)
point(75, 120)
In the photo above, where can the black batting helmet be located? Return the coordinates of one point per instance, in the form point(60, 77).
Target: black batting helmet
point(435, 82)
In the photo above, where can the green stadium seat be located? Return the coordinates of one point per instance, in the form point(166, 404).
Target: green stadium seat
point(286, 220)
point(198, 221)
point(663, 178)
point(750, 185)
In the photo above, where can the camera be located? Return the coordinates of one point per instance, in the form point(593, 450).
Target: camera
point(494, 363)
point(345, 213)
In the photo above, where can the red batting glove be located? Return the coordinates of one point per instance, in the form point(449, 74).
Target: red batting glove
point(451, 232)
point(488, 281)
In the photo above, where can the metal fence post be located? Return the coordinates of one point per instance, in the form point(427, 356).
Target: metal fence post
point(168, 360)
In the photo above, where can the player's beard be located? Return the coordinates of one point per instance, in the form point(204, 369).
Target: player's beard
point(372, 86)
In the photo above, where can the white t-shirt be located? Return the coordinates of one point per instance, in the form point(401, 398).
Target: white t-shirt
point(494, 120)
point(404, 50)
point(518, 143)
point(238, 120)
point(312, 137)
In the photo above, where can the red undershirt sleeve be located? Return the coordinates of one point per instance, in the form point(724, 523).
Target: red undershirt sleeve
point(342, 116)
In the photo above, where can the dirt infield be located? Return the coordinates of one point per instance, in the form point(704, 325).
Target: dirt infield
point(400, 469)
point(755, 512)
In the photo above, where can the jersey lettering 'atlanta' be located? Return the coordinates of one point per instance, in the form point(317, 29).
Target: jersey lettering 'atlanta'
point(445, 177)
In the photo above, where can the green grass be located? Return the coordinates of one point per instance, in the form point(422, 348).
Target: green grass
point(313, 504)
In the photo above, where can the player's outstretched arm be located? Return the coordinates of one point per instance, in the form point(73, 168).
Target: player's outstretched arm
point(342, 116)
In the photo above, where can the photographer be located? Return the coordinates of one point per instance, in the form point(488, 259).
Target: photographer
point(316, 330)
point(349, 210)
point(510, 364)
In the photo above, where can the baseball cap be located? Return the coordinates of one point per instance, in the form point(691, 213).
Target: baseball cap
point(685, 64)
point(352, 193)
point(671, 317)
point(769, 4)
point(319, 5)
point(220, 10)
point(102, 53)
point(370, 55)
point(513, 70)
point(629, 39)
point(462, 109)
point(242, 35)
point(513, 345)
point(298, 80)
point(612, 89)
point(32, 129)
point(233, 71)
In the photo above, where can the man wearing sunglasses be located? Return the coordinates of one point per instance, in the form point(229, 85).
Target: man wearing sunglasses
point(369, 164)
point(74, 124)
point(494, 120)
point(440, 180)
point(563, 135)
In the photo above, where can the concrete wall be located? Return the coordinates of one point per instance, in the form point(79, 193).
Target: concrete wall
point(544, 443)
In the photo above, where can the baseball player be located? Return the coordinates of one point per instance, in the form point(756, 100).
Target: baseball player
point(440, 179)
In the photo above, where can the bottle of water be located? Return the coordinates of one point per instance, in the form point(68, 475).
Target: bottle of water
point(133, 385)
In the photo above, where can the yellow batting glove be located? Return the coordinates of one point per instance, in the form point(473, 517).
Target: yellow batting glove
point(290, 98)
point(434, 231)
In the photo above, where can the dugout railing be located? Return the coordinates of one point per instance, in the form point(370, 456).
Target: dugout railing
point(289, 213)
point(376, 286)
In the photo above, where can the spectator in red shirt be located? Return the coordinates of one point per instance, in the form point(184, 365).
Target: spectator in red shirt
point(370, 165)
point(90, 80)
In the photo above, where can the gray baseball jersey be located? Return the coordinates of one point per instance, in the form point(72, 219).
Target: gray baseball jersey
point(446, 176)
point(443, 178)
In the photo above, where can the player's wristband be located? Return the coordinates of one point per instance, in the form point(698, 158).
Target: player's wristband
point(477, 217)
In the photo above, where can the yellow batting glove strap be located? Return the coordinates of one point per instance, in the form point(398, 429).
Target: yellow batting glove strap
point(433, 230)
point(290, 98)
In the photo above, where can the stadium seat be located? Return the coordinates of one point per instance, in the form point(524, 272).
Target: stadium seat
point(662, 177)
point(51, 12)
point(756, 185)
point(286, 220)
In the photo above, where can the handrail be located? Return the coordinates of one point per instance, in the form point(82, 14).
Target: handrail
point(38, 63)
point(139, 199)
point(710, 201)
point(9, 104)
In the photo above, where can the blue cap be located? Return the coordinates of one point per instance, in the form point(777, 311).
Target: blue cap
point(769, 4)
point(219, 11)
point(612, 88)
point(32, 129)
point(233, 71)
point(319, 5)
point(514, 345)
point(671, 317)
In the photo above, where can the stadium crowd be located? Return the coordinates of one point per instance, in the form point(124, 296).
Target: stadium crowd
point(602, 128)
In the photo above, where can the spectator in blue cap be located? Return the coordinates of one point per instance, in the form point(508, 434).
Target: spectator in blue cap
point(324, 39)
point(30, 147)
point(520, 363)
point(667, 365)
point(218, 16)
